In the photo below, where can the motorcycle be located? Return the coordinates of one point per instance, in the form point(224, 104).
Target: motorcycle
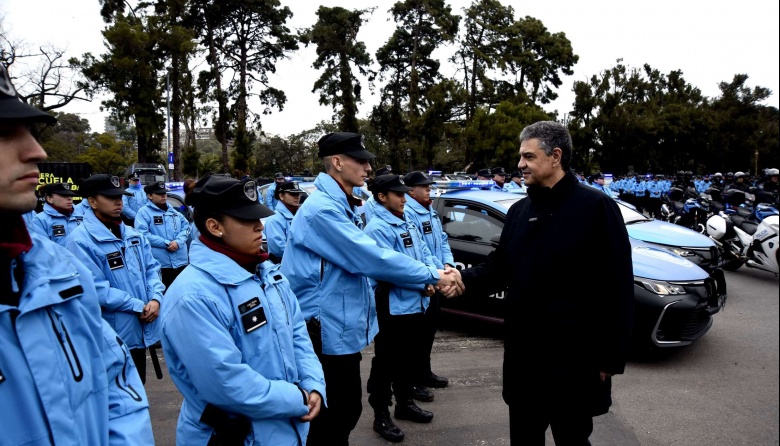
point(691, 213)
point(745, 242)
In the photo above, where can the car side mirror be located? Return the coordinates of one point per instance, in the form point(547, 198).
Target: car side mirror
point(494, 240)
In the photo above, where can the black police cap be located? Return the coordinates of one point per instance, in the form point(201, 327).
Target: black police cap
point(384, 170)
point(518, 174)
point(484, 173)
point(102, 184)
point(385, 183)
point(13, 109)
point(416, 179)
point(343, 143)
point(289, 187)
point(229, 196)
point(278, 175)
point(498, 171)
point(134, 176)
point(63, 189)
point(156, 188)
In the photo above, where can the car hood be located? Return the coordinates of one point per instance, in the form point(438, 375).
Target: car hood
point(670, 234)
point(656, 263)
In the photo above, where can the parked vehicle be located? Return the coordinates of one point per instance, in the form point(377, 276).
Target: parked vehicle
point(148, 172)
point(746, 242)
point(675, 299)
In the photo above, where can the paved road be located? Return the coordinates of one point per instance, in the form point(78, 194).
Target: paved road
point(722, 390)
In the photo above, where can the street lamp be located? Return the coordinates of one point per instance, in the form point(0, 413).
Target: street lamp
point(590, 155)
point(409, 159)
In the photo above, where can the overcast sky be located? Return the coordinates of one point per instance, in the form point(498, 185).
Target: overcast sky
point(710, 41)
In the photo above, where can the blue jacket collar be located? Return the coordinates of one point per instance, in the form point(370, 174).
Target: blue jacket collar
point(384, 214)
point(328, 185)
point(221, 267)
point(99, 231)
point(49, 210)
point(415, 206)
point(282, 209)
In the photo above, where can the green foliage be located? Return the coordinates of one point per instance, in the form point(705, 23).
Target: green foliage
point(335, 35)
point(67, 138)
point(108, 155)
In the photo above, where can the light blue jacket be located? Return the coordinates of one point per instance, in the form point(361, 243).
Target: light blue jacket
point(328, 259)
point(270, 199)
point(495, 187)
point(161, 228)
point(80, 209)
point(429, 226)
point(66, 376)
point(134, 203)
point(601, 188)
point(218, 351)
point(390, 232)
point(276, 228)
point(369, 208)
point(28, 218)
point(128, 270)
point(655, 189)
point(51, 224)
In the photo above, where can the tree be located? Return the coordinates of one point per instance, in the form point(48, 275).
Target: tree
point(108, 155)
point(335, 35)
point(131, 71)
point(67, 138)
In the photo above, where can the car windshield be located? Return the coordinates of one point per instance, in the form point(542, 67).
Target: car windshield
point(506, 204)
point(631, 216)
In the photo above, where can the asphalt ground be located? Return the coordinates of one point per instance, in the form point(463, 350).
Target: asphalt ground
point(722, 390)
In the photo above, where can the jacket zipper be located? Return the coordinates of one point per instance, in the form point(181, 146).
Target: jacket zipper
point(129, 389)
point(69, 350)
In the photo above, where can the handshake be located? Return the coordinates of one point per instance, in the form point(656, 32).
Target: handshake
point(450, 283)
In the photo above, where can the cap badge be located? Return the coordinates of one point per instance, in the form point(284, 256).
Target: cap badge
point(66, 186)
point(250, 190)
point(160, 185)
point(401, 180)
point(115, 181)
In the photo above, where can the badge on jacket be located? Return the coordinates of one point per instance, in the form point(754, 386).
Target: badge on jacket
point(426, 226)
point(407, 239)
point(57, 230)
point(115, 260)
point(158, 220)
point(252, 315)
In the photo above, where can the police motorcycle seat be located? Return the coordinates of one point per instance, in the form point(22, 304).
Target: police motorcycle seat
point(678, 205)
point(744, 224)
point(743, 212)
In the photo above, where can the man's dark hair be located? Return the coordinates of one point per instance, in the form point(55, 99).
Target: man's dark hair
point(551, 134)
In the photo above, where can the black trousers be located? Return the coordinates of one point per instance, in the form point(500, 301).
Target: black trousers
point(431, 326)
point(167, 275)
point(139, 358)
point(343, 386)
point(400, 352)
point(527, 425)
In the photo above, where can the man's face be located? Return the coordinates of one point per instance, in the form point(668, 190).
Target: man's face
point(60, 202)
point(518, 180)
point(600, 181)
point(421, 193)
point(158, 199)
point(538, 168)
point(106, 207)
point(19, 155)
point(352, 171)
point(501, 179)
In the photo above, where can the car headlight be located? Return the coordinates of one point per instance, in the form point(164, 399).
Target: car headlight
point(681, 251)
point(658, 287)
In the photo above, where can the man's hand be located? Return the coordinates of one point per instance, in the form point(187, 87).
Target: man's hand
point(429, 290)
point(459, 279)
point(151, 311)
point(173, 246)
point(314, 403)
point(448, 282)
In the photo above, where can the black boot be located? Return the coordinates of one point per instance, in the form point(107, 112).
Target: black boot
point(410, 411)
point(435, 381)
point(384, 426)
point(421, 393)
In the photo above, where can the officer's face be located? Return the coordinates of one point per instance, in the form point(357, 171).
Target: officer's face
point(158, 199)
point(290, 199)
point(499, 178)
point(352, 171)
point(245, 236)
point(106, 207)
point(421, 193)
point(61, 202)
point(279, 180)
point(19, 153)
point(393, 201)
point(538, 168)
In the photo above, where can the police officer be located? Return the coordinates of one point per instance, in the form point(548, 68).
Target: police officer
point(516, 182)
point(327, 260)
point(234, 338)
point(484, 174)
point(640, 192)
point(270, 194)
point(739, 182)
point(56, 221)
point(167, 231)
point(276, 227)
point(400, 349)
point(370, 203)
point(499, 179)
point(420, 213)
point(768, 189)
point(597, 182)
point(121, 260)
point(134, 200)
point(654, 190)
point(65, 376)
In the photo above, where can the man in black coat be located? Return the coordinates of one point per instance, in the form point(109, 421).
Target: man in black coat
point(565, 259)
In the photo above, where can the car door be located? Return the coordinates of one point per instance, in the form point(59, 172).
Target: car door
point(470, 227)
